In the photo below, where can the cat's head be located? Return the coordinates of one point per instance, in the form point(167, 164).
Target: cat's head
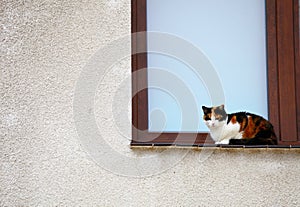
point(214, 116)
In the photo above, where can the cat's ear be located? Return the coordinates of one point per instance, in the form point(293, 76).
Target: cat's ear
point(205, 109)
point(222, 107)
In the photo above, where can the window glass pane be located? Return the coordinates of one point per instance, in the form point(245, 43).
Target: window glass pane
point(231, 33)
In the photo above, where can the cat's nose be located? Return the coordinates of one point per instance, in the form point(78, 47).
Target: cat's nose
point(213, 124)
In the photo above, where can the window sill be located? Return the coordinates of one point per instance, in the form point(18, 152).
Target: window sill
point(197, 146)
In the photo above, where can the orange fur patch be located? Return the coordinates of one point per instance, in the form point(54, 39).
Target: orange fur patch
point(254, 126)
point(243, 124)
point(207, 116)
point(233, 119)
point(249, 132)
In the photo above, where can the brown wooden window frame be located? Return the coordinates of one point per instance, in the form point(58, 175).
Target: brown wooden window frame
point(283, 68)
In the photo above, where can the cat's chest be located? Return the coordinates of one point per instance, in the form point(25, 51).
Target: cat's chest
point(228, 131)
point(232, 130)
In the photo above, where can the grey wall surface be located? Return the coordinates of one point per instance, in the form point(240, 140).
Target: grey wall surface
point(47, 160)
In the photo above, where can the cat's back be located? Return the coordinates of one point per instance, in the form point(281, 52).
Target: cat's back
point(251, 125)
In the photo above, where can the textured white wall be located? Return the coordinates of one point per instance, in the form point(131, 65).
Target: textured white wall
point(45, 45)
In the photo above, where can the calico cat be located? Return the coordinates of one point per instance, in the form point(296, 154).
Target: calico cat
point(240, 128)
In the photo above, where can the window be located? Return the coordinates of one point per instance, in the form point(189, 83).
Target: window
point(283, 77)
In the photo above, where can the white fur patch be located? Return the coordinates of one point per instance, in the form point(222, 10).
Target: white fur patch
point(221, 132)
point(224, 141)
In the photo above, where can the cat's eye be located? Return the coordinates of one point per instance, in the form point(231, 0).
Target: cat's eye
point(218, 117)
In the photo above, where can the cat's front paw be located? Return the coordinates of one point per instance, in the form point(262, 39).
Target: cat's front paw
point(224, 141)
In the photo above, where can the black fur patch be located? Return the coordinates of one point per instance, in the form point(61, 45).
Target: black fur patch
point(240, 117)
point(253, 141)
point(207, 113)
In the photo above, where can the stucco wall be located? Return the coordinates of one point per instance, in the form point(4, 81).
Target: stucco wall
point(45, 158)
